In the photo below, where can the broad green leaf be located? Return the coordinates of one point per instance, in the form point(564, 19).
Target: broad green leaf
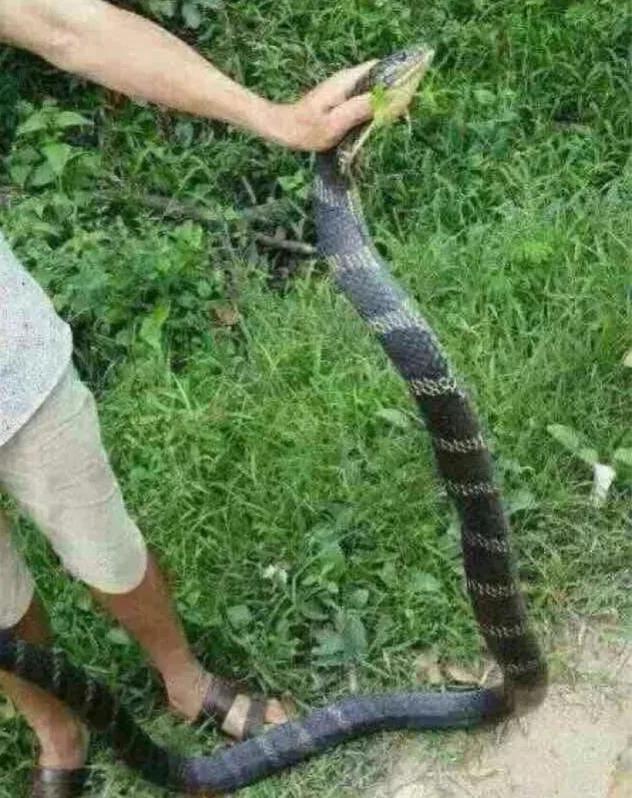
point(329, 644)
point(571, 441)
point(355, 638)
point(19, 173)
point(57, 154)
point(239, 616)
point(484, 96)
point(119, 637)
point(588, 455)
point(151, 328)
point(28, 154)
point(43, 175)
point(521, 499)
point(394, 417)
point(312, 610)
point(333, 561)
point(359, 598)
point(162, 8)
point(297, 182)
point(388, 574)
point(204, 289)
point(623, 456)
point(34, 123)
point(42, 228)
point(566, 436)
point(191, 15)
point(84, 602)
point(71, 119)
point(424, 582)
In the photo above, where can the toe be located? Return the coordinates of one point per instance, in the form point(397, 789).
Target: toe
point(275, 713)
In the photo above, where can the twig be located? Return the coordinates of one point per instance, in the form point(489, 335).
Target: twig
point(176, 209)
point(6, 195)
point(173, 208)
point(249, 189)
point(298, 247)
point(185, 210)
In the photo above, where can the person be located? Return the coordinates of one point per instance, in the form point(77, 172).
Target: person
point(51, 457)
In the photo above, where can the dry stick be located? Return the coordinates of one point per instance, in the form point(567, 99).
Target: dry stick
point(298, 247)
point(7, 193)
point(176, 209)
point(185, 210)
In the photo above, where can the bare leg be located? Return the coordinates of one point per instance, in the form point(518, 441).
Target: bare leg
point(148, 614)
point(62, 738)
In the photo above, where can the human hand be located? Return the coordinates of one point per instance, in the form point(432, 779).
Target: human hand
point(320, 119)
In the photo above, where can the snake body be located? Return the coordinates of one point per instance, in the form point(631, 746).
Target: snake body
point(464, 464)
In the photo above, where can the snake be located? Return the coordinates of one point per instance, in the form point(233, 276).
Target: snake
point(465, 466)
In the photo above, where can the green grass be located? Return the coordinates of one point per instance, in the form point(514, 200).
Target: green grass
point(298, 521)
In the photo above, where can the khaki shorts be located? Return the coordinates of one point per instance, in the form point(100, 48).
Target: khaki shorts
point(56, 469)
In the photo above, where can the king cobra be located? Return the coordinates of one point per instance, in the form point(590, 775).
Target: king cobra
point(465, 466)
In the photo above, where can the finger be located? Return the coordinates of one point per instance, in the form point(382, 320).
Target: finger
point(351, 113)
point(338, 87)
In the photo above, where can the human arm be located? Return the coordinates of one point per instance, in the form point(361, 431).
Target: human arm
point(131, 55)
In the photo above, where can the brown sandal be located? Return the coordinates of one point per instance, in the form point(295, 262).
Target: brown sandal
point(237, 714)
point(58, 783)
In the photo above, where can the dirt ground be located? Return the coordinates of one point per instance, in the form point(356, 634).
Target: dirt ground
point(578, 744)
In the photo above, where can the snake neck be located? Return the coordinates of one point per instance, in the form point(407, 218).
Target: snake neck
point(329, 171)
point(338, 212)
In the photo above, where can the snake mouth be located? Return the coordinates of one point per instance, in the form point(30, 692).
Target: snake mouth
point(401, 81)
point(401, 68)
point(396, 79)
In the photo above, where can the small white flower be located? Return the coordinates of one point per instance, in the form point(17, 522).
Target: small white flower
point(275, 573)
point(603, 477)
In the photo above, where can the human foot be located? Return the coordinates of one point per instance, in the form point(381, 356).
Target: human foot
point(197, 695)
point(61, 771)
point(63, 744)
point(238, 714)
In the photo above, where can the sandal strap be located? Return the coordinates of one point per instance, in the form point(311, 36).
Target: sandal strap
point(235, 721)
point(58, 782)
point(245, 718)
point(255, 719)
point(219, 699)
point(237, 714)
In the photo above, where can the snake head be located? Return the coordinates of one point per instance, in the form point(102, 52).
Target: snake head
point(401, 70)
point(394, 81)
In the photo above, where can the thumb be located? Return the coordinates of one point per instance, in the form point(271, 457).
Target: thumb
point(351, 113)
point(337, 88)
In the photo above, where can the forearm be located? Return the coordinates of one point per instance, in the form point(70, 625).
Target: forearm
point(133, 56)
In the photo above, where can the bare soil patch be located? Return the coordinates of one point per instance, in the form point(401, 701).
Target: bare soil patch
point(578, 744)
